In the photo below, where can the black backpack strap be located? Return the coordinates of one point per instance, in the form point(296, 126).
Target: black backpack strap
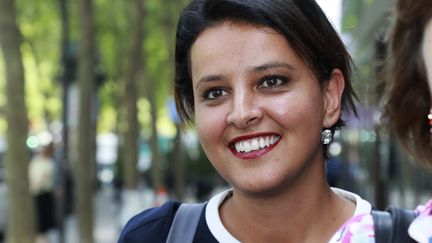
point(383, 226)
point(185, 223)
point(391, 226)
point(401, 220)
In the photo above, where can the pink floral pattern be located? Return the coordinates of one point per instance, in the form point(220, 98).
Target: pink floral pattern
point(359, 229)
point(421, 228)
point(425, 210)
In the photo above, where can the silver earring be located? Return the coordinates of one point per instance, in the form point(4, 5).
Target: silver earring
point(326, 136)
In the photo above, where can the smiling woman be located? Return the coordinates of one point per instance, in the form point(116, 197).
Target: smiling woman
point(263, 91)
point(265, 82)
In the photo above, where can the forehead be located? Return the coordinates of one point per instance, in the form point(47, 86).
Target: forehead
point(227, 26)
point(240, 44)
point(236, 34)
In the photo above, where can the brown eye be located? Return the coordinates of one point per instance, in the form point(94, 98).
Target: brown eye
point(272, 82)
point(214, 93)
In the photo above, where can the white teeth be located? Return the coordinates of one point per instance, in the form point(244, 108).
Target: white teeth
point(262, 143)
point(255, 143)
point(247, 147)
point(237, 146)
point(242, 148)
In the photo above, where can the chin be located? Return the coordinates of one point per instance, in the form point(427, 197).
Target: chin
point(259, 188)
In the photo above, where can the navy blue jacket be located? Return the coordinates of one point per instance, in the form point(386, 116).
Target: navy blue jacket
point(153, 225)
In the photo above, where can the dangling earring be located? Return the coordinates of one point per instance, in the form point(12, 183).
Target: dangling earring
point(326, 136)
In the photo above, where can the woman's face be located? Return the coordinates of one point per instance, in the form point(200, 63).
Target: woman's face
point(427, 52)
point(259, 110)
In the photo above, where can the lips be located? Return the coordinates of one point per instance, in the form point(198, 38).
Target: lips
point(249, 147)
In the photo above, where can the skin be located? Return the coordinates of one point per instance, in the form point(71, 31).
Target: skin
point(427, 52)
point(249, 83)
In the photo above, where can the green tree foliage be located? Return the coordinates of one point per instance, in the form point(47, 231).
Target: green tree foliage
point(364, 23)
point(113, 35)
point(39, 21)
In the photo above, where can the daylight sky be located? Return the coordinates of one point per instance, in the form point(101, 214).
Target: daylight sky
point(333, 10)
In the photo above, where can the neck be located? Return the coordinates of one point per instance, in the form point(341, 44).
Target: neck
point(303, 211)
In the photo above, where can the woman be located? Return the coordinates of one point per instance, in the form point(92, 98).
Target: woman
point(408, 105)
point(409, 101)
point(41, 176)
point(265, 82)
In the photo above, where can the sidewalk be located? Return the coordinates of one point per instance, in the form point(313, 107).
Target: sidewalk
point(106, 220)
point(106, 229)
point(109, 216)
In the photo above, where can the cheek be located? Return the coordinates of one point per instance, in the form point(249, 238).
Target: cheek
point(297, 111)
point(209, 123)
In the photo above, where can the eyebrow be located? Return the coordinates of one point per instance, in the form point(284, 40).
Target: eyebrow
point(211, 77)
point(260, 68)
point(271, 65)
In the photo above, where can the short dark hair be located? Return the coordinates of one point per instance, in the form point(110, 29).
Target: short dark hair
point(302, 22)
point(408, 98)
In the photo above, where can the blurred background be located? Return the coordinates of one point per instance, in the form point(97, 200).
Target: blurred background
point(93, 78)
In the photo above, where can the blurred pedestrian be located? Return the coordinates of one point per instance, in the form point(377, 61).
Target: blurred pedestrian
point(408, 104)
point(42, 178)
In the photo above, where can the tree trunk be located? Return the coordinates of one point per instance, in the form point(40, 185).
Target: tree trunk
point(132, 71)
point(20, 227)
point(178, 165)
point(65, 79)
point(84, 166)
point(157, 174)
point(169, 26)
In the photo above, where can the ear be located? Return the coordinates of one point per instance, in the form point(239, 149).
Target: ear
point(332, 91)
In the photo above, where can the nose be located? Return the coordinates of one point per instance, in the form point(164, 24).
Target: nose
point(245, 111)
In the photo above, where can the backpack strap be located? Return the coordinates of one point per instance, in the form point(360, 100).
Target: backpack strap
point(401, 220)
point(185, 223)
point(392, 225)
point(383, 226)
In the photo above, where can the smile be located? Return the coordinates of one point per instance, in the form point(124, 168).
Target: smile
point(248, 148)
point(254, 144)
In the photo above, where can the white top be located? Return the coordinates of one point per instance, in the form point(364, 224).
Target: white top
point(41, 174)
point(221, 234)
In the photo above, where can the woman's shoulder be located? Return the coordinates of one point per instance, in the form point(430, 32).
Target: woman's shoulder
point(358, 228)
point(152, 224)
